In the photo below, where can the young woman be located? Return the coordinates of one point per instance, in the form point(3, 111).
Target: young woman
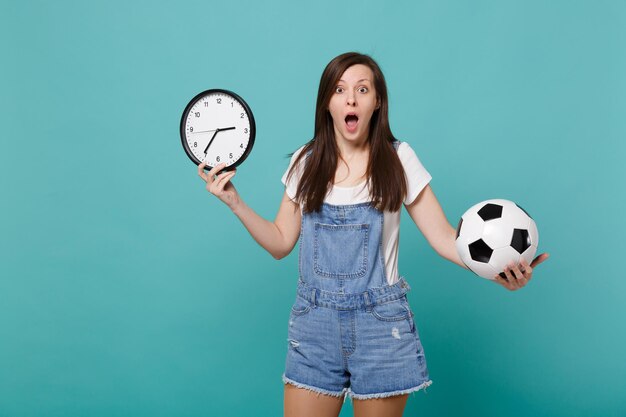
point(351, 330)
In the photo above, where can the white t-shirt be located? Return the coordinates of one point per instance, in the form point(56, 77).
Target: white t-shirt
point(417, 178)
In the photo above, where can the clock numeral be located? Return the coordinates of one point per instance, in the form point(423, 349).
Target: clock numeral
point(219, 101)
point(231, 104)
point(230, 155)
point(195, 144)
point(191, 128)
point(218, 159)
point(197, 114)
point(206, 104)
point(241, 146)
point(242, 115)
point(245, 130)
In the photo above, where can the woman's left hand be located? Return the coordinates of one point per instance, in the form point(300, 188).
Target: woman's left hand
point(518, 275)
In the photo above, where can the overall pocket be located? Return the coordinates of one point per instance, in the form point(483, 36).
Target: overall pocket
point(396, 310)
point(340, 250)
point(301, 306)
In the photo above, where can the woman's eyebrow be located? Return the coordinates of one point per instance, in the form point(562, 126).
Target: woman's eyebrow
point(362, 79)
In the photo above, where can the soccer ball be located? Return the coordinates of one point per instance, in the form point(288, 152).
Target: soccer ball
point(493, 233)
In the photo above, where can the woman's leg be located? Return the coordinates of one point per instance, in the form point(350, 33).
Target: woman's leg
point(301, 402)
point(378, 407)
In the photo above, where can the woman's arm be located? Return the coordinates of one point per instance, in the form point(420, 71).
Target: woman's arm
point(277, 237)
point(429, 218)
point(428, 215)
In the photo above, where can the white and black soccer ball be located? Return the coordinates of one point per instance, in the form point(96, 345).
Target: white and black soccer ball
point(493, 233)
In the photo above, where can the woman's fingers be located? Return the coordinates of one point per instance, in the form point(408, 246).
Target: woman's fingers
point(509, 276)
point(510, 282)
point(201, 173)
point(216, 169)
point(517, 275)
point(520, 277)
point(527, 270)
point(539, 259)
point(217, 187)
point(506, 284)
point(208, 178)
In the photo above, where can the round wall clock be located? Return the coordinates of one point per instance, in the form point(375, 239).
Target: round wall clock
point(217, 126)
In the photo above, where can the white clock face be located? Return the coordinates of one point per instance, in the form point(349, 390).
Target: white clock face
point(218, 128)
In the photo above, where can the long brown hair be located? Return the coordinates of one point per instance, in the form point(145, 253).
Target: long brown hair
point(385, 173)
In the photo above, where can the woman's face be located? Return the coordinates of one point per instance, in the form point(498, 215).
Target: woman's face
point(353, 102)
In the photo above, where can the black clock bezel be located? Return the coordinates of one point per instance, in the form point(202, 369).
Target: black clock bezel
point(246, 108)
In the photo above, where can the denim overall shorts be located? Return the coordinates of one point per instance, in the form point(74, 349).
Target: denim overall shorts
point(350, 333)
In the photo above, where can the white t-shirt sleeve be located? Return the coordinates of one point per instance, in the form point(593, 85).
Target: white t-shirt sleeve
point(417, 177)
point(292, 186)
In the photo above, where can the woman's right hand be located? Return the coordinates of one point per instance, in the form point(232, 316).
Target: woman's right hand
point(219, 184)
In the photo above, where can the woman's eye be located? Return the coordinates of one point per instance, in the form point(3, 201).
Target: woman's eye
point(339, 90)
point(363, 90)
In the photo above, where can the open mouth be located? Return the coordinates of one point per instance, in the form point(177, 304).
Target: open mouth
point(351, 122)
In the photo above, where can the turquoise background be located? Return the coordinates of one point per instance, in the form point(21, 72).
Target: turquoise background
point(127, 290)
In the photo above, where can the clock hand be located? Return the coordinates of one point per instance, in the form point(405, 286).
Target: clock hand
point(219, 129)
point(203, 131)
point(211, 141)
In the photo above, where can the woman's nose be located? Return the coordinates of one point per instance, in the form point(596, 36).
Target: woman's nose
point(351, 100)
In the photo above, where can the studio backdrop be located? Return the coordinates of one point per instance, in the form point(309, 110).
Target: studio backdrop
point(126, 289)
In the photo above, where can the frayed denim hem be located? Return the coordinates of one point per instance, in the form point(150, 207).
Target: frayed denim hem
point(390, 394)
point(316, 390)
